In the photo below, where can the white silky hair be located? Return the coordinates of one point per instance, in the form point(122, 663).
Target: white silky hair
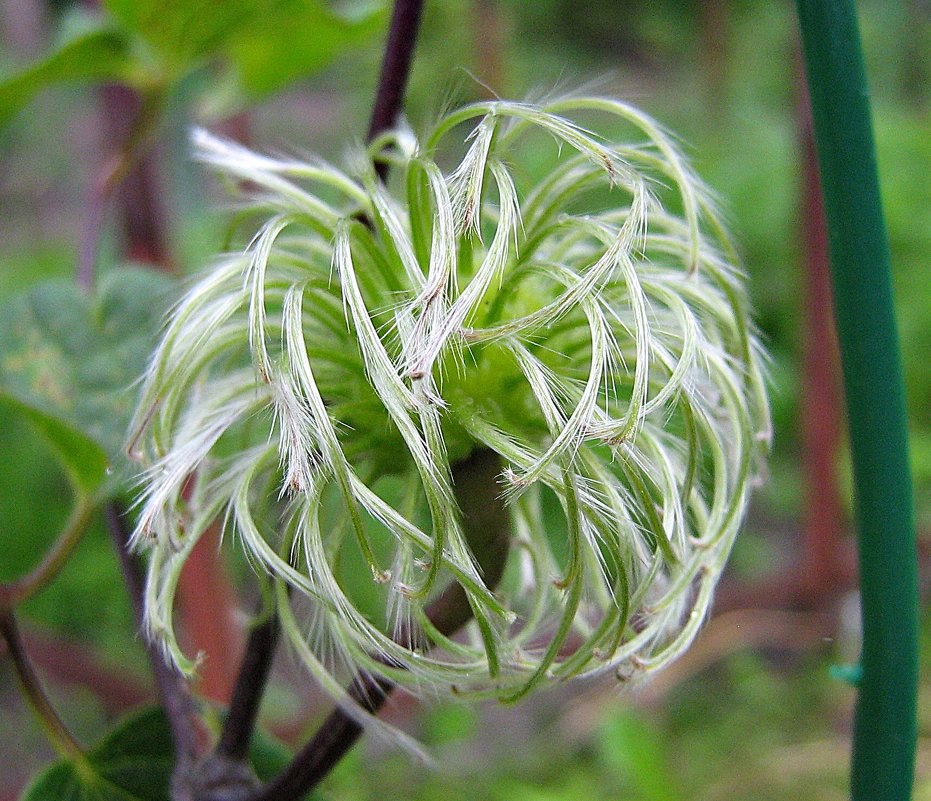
point(606, 356)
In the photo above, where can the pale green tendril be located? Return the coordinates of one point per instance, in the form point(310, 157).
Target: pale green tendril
point(563, 299)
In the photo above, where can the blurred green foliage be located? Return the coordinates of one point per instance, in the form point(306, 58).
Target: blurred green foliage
point(720, 735)
point(259, 46)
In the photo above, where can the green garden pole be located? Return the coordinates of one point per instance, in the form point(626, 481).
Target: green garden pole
point(885, 724)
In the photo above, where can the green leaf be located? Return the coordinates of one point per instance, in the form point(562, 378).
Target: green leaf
point(295, 39)
point(184, 32)
point(83, 459)
point(267, 42)
point(68, 362)
point(134, 763)
point(98, 54)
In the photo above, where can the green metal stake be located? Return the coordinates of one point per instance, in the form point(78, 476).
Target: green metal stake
point(885, 725)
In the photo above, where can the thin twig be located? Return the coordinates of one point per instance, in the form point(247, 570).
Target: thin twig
point(71, 663)
point(825, 543)
point(395, 69)
point(55, 729)
point(338, 733)
point(129, 118)
point(173, 690)
point(250, 686)
point(226, 774)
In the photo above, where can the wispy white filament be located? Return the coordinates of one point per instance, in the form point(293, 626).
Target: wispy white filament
point(319, 390)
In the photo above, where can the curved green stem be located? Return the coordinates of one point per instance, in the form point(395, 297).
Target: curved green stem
point(885, 727)
point(56, 731)
point(15, 592)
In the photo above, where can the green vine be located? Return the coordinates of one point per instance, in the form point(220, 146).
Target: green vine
point(885, 727)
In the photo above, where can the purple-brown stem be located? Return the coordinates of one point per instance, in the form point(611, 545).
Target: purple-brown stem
point(395, 69)
point(130, 120)
point(249, 688)
point(824, 543)
point(173, 690)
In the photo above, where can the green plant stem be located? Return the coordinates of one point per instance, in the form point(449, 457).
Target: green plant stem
point(885, 725)
point(15, 592)
point(56, 731)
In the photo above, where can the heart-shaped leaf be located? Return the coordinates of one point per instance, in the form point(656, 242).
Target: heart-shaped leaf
point(68, 362)
point(134, 762)
point(101, 53)
point(268, 43)
point(297, 39)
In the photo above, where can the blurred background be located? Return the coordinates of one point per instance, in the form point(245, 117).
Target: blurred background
point(755, 710)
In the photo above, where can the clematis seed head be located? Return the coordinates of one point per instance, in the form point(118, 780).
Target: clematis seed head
point(556, 305)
